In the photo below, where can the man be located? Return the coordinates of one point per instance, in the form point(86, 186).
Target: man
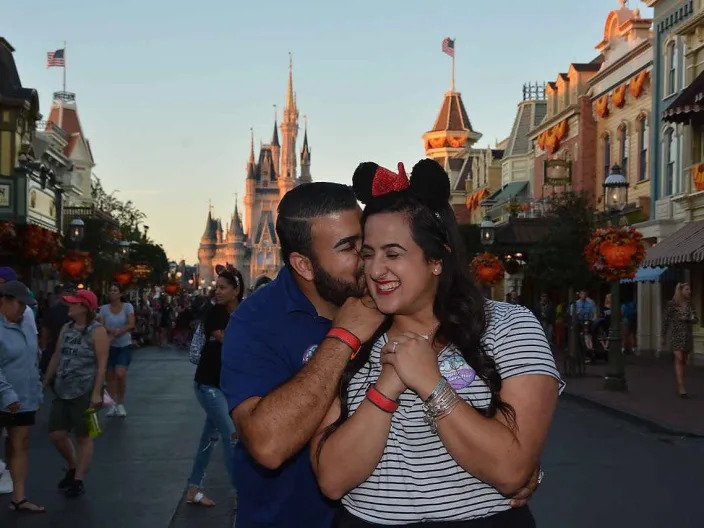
point(53, 320)
point(280, 367)
point(585, 308)
point(545, 312)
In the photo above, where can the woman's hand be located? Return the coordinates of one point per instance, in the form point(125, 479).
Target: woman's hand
point(13, 407)
point(96, 400)
point(415, 362)
point(389, 384)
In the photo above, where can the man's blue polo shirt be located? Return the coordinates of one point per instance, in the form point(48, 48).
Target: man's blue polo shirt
point(268, 340)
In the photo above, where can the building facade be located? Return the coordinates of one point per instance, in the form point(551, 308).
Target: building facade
point(249, 242)
point(451, 143)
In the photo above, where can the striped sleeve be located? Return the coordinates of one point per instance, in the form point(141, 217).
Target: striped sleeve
point(521, 346)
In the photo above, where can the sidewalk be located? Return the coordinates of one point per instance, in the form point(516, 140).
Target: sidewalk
point(651, 396)
point(141, 463)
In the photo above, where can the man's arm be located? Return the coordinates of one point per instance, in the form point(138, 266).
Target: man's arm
point(277, 426)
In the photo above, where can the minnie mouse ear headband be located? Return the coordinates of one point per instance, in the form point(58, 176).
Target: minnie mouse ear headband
point(428, 182)
point(229, 268)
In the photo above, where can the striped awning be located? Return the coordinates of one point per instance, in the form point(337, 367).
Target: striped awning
point(684, 246)
point(688, 104)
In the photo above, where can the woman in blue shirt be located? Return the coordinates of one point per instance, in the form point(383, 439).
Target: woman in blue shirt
point(20, 388)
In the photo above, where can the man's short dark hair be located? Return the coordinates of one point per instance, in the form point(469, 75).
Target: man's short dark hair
point(304, 203)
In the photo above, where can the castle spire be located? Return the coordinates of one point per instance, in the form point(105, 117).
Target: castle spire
point(209, 233)
point(290, 98)
point(251, 171)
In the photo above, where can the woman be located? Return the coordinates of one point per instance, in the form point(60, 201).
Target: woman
point(78, 368)
point(20, 388)
point(228, 295)
point(118, 319)
point(460, 391)
point(678, 321)
point(165, 323)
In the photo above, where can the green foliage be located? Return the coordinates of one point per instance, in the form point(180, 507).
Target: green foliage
point(558, 261)
point(126, 213)
point(152, 255)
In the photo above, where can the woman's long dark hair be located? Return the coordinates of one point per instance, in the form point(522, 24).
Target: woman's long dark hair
point(459, 304)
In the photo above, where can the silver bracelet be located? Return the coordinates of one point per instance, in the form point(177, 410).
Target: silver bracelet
point(440, 403)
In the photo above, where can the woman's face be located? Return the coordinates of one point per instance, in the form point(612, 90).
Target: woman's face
point(12, 308)
point(399, 278)
point(687, 291)
point(114, 293)
point(76, 310)
point(225, 293)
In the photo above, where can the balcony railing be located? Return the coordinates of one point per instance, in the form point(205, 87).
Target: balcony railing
point(50, 126)
point(87, 212)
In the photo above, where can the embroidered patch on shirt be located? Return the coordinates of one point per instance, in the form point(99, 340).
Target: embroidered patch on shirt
point(457, 372)
point(309, 353)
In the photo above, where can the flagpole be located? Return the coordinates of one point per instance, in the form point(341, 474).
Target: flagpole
point(64, 65)
point(454, 51)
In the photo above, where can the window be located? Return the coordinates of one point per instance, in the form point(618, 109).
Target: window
point(607, 156)
point(624, 147)
point(671, 69)
point(670, 157)
point(643, 148)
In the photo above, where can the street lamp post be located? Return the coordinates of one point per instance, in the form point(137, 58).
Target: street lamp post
point(487, 232)
point(77, 230)
point(615, 201)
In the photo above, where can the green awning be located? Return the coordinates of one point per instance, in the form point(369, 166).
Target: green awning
point(509, 191)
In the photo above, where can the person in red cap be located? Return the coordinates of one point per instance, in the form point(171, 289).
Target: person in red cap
point(77, 370)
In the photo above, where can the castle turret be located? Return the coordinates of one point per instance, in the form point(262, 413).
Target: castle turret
point(305, 160)
point(289, 133)
point(276, 148)
point(206, 251)
point(250, 187)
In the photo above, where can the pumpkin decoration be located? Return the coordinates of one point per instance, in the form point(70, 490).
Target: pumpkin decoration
point(487, 269)
point(638, 83)
point(602, 106)
point(615, 253)
point(698, 177)
point(77, 264)
point(619, 96)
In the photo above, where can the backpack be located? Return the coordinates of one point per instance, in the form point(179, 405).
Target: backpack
point(197, 344)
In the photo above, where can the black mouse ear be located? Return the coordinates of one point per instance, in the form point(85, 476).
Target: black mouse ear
point(362, 181)
point(219, 269)
point(430, 183)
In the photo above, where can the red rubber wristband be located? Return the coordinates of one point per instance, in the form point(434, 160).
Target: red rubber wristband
point(381, 401)
point(347, 338)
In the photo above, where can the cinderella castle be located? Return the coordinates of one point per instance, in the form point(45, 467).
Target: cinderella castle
point(250, 243)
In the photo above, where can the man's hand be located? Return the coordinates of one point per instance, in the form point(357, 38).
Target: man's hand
point(13, 407)
point(526, 492)
point(359, 316)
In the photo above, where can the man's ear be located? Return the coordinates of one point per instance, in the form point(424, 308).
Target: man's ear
point(302, 265)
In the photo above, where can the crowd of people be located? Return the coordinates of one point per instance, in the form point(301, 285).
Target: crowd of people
point(370, 384)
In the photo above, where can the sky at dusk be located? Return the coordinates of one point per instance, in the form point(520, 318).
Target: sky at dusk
point(167, 90)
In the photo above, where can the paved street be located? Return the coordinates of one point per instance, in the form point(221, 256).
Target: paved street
point(141, 464)
point(601, 470)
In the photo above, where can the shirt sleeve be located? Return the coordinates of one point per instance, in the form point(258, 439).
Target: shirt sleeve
point(31, 321)
point(129, 309)
point(522, 348)
point(7, 393)
point(250, 365)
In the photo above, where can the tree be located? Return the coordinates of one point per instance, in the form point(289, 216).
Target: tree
point(558, 259)
point(154, 256)
point(126, 213)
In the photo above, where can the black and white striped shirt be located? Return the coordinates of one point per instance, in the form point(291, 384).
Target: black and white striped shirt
point(416, 479)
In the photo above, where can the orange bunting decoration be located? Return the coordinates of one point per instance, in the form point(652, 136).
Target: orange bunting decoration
point(637, 83)
point(619, 96)
point(487, 269)
point(698, 177)
point(615, 253)
point(561, 130)
point(552, 142)
point(602, 106)
point(541, 141)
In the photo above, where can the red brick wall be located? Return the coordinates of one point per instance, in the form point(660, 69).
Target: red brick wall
point(462, 214)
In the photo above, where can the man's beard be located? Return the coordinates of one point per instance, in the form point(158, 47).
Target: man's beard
point(334, 290)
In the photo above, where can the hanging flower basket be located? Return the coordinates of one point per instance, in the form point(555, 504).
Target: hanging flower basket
point(172, 288)
point(124, 277)
point(615, 253)
point(77, 264)
point(487, 269)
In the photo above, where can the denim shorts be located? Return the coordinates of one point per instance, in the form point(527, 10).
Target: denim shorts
point(120, 357)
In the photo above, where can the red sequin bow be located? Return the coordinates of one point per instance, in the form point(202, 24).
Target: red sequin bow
point(385, 181)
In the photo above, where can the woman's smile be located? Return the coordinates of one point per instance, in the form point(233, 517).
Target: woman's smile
point(386, 287)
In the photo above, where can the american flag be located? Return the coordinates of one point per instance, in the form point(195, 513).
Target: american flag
point(55, 58)
point(448, 46)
